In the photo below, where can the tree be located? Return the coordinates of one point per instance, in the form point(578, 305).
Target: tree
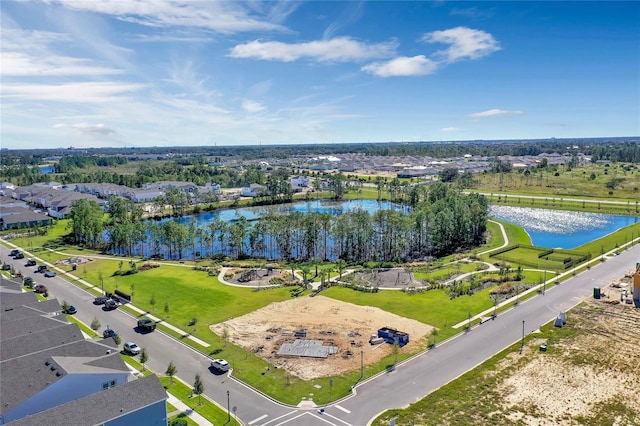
point(144, 357)
point(117, 339)
point(448, 175)
point(166, 307)
point(198, 388)
point(171, 371)
point(152, 301)
point(65, 306)
point(95, 324)
point(86, 222)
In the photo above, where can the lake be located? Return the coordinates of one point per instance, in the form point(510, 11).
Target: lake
point(318, 206)
point(560, 228)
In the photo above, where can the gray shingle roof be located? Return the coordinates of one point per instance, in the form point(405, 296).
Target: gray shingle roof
point(102, 406)
point(25, 376)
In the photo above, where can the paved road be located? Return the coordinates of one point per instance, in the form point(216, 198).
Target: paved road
point(557, 197)
point(408, 383)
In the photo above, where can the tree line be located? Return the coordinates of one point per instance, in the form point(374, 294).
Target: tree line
point(441, 221)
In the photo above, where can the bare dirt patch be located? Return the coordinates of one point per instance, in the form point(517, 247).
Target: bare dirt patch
point(340, 324)
point(590, 377)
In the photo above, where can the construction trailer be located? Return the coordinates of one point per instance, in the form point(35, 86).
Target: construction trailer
point(393, 336)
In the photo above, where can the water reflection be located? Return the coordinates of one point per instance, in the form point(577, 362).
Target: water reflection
point(560, 228)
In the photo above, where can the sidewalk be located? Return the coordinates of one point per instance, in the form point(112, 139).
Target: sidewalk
point(181, 407)
point(489, 312)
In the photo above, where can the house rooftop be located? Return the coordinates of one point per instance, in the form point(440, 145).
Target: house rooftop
point(100, 407)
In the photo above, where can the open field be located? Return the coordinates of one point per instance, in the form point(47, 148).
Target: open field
point(574, 182)
point(588, 375)
point(343, 325)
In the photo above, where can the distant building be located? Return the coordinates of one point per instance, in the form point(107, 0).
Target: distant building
point(253, 190)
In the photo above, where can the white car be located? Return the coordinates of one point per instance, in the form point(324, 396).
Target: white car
point(220, 365)
point(131, 348)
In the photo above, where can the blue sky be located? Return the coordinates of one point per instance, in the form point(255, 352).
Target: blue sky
point(163, 73)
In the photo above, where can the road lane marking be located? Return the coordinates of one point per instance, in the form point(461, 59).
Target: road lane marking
point(337, 418)
point(256, 420)
point(280, 417)
point(343, 409)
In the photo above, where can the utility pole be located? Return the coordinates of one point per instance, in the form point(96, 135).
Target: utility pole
point(522, 344)
point(228, 411)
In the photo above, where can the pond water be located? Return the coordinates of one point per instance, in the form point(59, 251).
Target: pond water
point(318, 206)
point(560, 228)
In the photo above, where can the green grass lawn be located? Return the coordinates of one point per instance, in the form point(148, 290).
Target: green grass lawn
point(576, 182)
point(201, 405)
point(433, 307)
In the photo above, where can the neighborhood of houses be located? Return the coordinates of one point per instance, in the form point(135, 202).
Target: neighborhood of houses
point(52, 375)
point(39, 204)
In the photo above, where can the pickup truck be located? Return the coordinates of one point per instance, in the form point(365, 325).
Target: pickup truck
point(146, 324)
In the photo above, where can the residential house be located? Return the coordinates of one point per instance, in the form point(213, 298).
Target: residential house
point(49, 374)
point(253, 190)
point(298, 183)
point(27, 219)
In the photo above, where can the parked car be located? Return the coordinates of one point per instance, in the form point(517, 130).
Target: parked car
point(100, 300)
point(70, 310)
point(19, 256)
point(109, 333)
point(49, 274)
point(146, 324)
point(29, 282)
point(131, 348)
point(31, 262)
point(220, 365)
point(39, 288)
point(13, 253)
point(41, 268)
point(6, 267)
point(111, 304)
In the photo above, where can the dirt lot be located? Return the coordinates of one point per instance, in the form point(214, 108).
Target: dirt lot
point(340, 324)
point(589, 378)
point(589, 375)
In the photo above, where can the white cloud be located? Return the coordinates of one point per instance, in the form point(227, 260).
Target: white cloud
point(86, 128)
point(221, 17)
point(252, 106)
point(21, 64)
point(465, 43)
point(339, 49)
point(494, 113)
point(87, 92)
point(450, 129)
point(402, 66)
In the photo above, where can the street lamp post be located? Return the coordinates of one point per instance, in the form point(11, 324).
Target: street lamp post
point(361, 364)
point(522, 344)
point(228, 410)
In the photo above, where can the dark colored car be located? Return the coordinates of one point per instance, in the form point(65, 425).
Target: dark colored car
point(41, 268)
point(39, 288)
point(70, 310)
point(29, 282)
point(146, 324)
point(31, 262)
point(111, 304)
point(109, 333)
point(12, 253)
point(49, 274)
point(19, 256)
point(100, 300)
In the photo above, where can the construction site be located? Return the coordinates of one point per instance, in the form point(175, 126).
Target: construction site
point(314, 337)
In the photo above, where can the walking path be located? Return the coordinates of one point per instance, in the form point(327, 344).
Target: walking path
point(182, 408)
point(490, 311)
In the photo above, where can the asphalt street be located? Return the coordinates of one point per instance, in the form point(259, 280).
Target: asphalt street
point(407, 383)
